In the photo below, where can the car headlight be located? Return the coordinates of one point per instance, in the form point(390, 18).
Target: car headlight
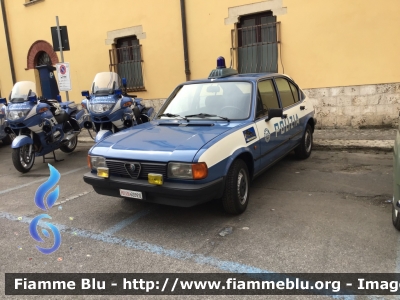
point(96, 162)
point(187, 171)
point(100, 107)
point(13, 115)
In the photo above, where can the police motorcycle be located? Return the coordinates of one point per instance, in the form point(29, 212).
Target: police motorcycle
point(110, 109)
point(40, 125)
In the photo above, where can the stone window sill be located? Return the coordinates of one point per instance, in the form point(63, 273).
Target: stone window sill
point(31, 2)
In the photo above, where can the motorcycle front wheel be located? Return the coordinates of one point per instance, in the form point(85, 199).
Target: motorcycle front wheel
point(70, 146)
point(22, 161)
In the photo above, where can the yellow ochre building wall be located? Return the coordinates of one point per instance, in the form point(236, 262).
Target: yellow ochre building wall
point(324, 44)
point(341, 43)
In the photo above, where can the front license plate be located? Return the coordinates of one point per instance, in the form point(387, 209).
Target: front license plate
point(131, 194)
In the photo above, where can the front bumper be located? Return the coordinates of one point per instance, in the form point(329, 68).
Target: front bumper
point(170, 193)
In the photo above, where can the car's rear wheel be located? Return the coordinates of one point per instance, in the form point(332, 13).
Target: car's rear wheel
point(237, 188)
point(395, 217)
point(303, 150)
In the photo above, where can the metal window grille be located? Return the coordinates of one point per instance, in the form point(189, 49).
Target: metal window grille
point(43, 59)
point(127, 63)
point(257, 47)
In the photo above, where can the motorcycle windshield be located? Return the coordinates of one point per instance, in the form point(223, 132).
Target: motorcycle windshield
point(22, 90)
point(105, 83)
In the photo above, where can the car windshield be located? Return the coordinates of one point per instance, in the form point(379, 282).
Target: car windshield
point(105, 83)
point(22, 90)
point(229, 100)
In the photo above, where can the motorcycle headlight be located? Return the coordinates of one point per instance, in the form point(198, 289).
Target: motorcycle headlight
point(13, 115)
point(100, 107)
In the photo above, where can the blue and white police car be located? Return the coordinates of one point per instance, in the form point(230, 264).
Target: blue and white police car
point(208, 141)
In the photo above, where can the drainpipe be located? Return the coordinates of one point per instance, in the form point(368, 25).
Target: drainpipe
point(185, 42)
point(10, 56)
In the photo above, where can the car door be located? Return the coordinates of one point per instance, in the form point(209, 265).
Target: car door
point(291, 127)
point(270, 141)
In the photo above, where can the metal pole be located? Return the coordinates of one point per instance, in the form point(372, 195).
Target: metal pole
point(8, 42)
point(60, 45)
point(185, 41)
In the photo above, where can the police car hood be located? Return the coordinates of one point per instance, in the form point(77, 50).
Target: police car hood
point(160, 141)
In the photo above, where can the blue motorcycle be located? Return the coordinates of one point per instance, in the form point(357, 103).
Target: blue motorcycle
point(110, 109)
point(40, 126)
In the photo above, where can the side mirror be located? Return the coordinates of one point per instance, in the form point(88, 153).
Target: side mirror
point(32, 98)
point(274, 113)
point(3, 101)
point(85, 94)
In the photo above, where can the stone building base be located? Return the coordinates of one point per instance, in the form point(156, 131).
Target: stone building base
point(361, 106)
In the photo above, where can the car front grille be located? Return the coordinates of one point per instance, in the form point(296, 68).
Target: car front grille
point(135, 170)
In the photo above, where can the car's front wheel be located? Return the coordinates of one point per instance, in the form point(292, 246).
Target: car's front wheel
point(395, 218)
point(303, 150)
point(237, 188)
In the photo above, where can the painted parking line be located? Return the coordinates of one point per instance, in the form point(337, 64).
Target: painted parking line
point(39, 180)
point(124, 223)
point(71, 198)
point(223, 265)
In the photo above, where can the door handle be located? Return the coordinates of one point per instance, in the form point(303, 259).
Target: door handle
point(302, 107)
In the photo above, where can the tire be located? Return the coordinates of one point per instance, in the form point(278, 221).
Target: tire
point(7, 140)
point(303, 150)
point(70, 146)
point(21, 161)
point(395, 218)
point(237, 188)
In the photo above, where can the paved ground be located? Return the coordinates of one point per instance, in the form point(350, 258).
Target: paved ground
point(361, 139)
point(325, 214)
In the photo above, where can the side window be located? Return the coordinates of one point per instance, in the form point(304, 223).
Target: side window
point(295, 92)
point(285, 91)
point(268, 97)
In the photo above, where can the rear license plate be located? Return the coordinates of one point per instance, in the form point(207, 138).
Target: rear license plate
point(131, 194)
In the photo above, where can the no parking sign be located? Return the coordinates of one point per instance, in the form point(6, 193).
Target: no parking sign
point(64, 80)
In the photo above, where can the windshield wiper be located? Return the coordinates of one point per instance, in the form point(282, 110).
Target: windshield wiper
point(202, 115)
point(173, 116)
